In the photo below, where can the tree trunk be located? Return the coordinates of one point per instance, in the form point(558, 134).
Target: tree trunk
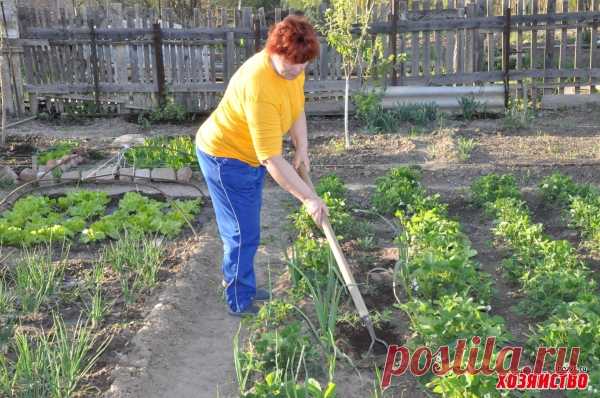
point(346, 98)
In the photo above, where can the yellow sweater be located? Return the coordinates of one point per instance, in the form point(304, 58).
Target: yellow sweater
point(257, 109)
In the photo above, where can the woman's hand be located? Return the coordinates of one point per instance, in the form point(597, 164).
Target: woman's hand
point(299, 158)
point(317, 209)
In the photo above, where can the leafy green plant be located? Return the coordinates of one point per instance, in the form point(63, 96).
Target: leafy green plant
point(171, 111)
point(419, 114)
point(545, 288)
point(400, 189)
point(39, 219)
point(275, 385)
point(311, 256)
point(574, 324)
point(519, 115)
point(470, 107)
point(488, 188)
point(339, 216)
point(138, 215)
point(333, 185)
point(450, 318)
point(57, 151)
point(441, 259)
point(368, 107)
point(174, 152)
point(466, 385)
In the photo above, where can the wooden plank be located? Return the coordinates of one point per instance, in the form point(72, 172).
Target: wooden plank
point(184, 58)
point(533, 48)
point(469, 40)
point(519, 55)
point(450, 48)
point(121, 50)
point(324, 61)
point(195, 65)
point(402, 37)
point(426, 49)
point(549, 59)
point(438, 43)
point(134, 66)
point(229, 57)
point(578, 47)
point(562, 61)
point(247, 23)
point(29, 66)
point(595, 4)
point(414, 46)
point(460, 41)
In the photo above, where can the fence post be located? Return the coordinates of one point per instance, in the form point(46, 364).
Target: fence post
point(506, 53)
point(159, 76)
point(229, 55)
point(94, 62)
point(11, 59)
point(393, 41)
point(256, 22)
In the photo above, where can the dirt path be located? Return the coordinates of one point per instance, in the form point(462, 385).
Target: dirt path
point(185, 349)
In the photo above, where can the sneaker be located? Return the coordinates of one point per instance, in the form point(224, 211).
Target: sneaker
point(262, 295)
point(251, 310)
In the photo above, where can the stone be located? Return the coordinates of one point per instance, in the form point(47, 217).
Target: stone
point(27, 175)
point(184, 174)
point(126, 174)
point(105, 174)
point(47, 179)
point(163, 174)
point(74, 175)
point(129, 140)
point(7, 174)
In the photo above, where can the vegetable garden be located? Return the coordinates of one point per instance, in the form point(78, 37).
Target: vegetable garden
point(447, 241)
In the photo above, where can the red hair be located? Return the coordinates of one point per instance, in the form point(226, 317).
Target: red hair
point(294, 39)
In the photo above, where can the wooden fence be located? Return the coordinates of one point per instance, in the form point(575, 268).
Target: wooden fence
point(125, 60)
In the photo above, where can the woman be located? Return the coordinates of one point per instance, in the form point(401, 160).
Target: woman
point(243, 138)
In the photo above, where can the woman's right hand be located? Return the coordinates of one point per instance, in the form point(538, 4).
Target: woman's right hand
point(317, 209)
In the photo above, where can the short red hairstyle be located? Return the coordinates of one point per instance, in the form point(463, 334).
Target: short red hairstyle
point(294, 39)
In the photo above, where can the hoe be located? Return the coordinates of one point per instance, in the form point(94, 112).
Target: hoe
point(357, 297)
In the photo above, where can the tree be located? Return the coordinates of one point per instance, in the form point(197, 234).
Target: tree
point(346, 28)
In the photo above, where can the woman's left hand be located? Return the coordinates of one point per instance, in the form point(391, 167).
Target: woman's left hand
point(299, 158)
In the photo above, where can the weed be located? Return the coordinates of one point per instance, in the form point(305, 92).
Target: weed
point(465, 147)
point(470, 107)
point(519, 115)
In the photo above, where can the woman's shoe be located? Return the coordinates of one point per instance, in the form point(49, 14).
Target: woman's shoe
point(262, 295)
point(251, 310)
